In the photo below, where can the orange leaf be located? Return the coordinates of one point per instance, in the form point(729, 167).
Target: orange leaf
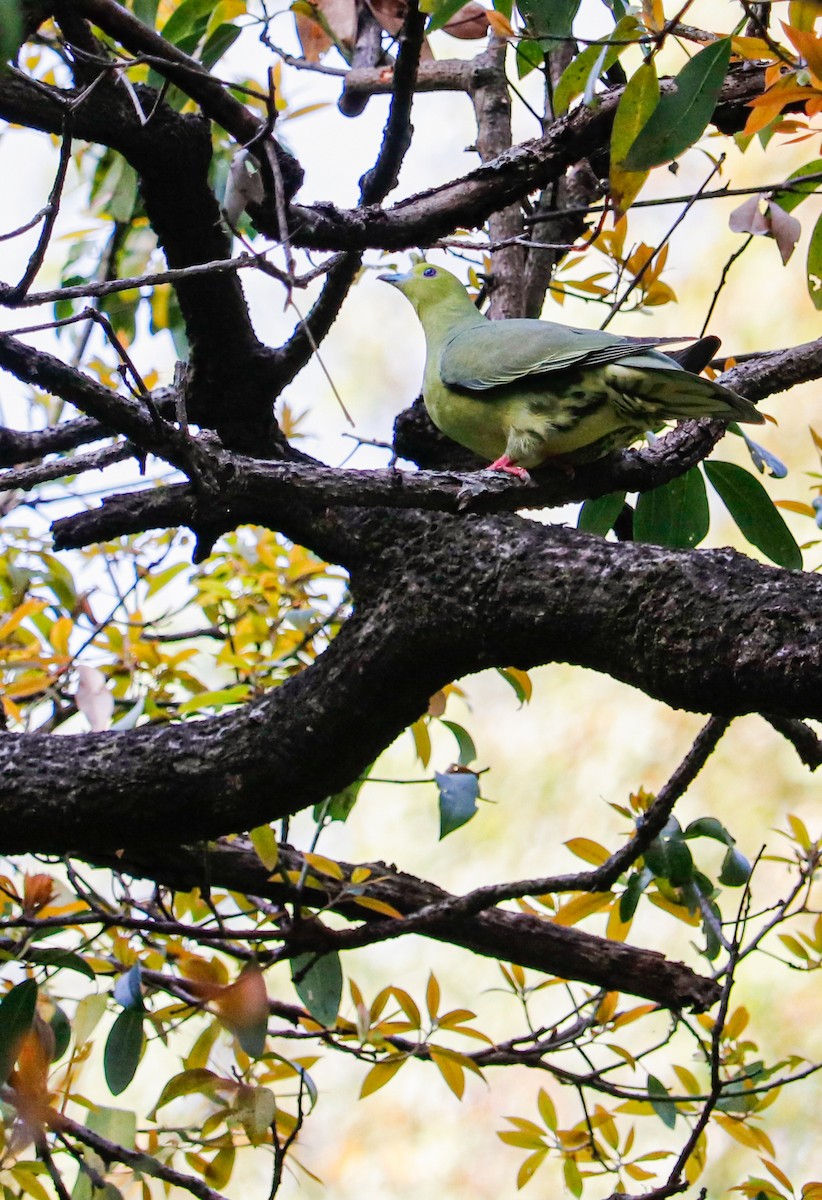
point(809, 46)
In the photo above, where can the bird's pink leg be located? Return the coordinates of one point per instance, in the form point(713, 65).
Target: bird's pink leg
point(510, 468)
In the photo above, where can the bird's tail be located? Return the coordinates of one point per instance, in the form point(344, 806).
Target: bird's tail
point(646, 389)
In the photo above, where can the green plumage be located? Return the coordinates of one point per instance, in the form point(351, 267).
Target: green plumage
point(521, 392)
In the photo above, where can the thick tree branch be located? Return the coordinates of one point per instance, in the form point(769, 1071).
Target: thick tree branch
point(438, 596)
point(469, 201)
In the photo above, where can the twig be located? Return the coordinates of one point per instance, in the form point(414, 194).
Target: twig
point(637, 279)
point(723, 280)
point(51, 211)
point(78, 464)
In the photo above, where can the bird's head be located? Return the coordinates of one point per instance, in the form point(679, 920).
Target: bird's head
point(427, 286)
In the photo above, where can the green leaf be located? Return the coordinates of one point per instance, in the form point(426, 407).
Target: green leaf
point(61, 959)
point(550, 19)
point(664, 1109)
point(221, 40)
point(16, 1016)
point(458, 799)
point(124, 1047)
point(530, 55)
point(146, 11)
point(339, 806)
point(199, 1079)
point(708, 827)
point(441, 12)
point(61, 1028)
point(318, 983)
point(814, 267)
point(789, 199)
point(630, 898)
point(520, 681)
point(636, 104)
point(582, 72)
point(182, 21)
point(467, 749)
point(12, 30)
point(753, 511)
point(598, 516)
point(680, 866)
point(682, 115)
point(736, 870)
point(675, 514)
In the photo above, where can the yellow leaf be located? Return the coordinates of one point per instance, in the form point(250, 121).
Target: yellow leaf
point(380, 1074)
point(523, 1141)
point(634, 1014)
point(422, 741)
point(636, 104)
point(736, 1023)
point(588, 851)
point(546, 1109)
point(59, 634)
point(432, 996)
point(450, 1069)
point(581, 906)
point(800, 832)
point(408, 1006)
point(688, 1080)
point(778, 1175)
point(752, 48)
point(264, 841)
point(326, 865)
point(26, 609)
point(796, 506)
point(803, 13)
point(379, 906)
point(745, 1134)
point(653, 15)
point(636, 1172)
point(696, 1160)
point(617, 929)
point(607, 1007)
point(532, 1162)
point(809, 46)
point(676, 910)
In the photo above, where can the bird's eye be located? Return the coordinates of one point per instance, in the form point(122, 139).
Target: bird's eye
point(428, 272)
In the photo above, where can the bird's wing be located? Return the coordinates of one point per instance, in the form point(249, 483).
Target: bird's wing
point(499, 352)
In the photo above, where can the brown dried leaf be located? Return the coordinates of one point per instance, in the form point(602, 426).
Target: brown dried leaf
point(748, 218)
point(784, 228)
point(390, 14)
point(469, 23)
point(314, 40)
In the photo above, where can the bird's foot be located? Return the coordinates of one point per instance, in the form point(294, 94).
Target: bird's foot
point(510, 468)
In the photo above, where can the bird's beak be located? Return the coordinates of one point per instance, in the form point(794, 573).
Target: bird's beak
point(396, 278)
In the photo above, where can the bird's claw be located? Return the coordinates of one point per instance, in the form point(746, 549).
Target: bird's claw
point(510, 468)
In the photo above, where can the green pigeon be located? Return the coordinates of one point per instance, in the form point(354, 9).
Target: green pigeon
point(525, 392)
